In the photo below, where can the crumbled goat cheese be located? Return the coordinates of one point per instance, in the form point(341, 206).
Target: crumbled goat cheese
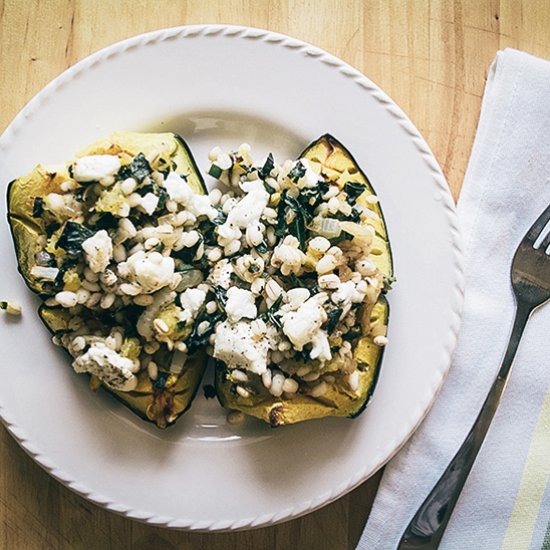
point(249, 209)
point(177, 188)
point(95, 167)
point(98, 251)
point(149, 203)
point(200, 205)
point(191, 301)
point(236, 345)
point(288, 256)
point(108, 366)
point(240, 303)
point(346, 294)
point(149, 270)
point(303, 326)
point(320, 346)
point(221, 274)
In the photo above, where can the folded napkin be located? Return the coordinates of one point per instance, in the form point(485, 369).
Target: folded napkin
point(506, 501)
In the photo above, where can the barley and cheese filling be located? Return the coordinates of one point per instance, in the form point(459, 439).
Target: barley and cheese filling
point(271, 272)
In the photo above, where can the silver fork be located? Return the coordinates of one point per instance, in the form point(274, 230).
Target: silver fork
point(531, 285)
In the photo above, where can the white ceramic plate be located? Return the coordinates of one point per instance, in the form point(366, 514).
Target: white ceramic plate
point(224, 85)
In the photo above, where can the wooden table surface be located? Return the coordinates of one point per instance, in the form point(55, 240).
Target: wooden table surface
point(431, 57)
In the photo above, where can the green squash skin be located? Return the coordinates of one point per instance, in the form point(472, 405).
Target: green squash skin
point(268, 409)
point(198, 361)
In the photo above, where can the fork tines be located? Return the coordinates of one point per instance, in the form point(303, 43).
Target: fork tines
point(537, 227)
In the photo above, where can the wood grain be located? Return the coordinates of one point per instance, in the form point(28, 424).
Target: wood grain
point(430, 56)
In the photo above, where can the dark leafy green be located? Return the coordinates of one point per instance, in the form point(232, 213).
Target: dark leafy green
point(272, 314)
point(333, 318)
point(280, 230)
point(269, 164)
point(138, 169)
point(262, 248)
point(160, 382)
point(299, 171)
point(220, 218)
point(38, 207)
point(220, 294)
point(72, 237)
point(106, 221)
point(197, 341)
point(353, 190)
point(51, 228)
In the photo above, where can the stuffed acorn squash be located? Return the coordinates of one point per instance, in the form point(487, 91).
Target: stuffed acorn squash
point(322, 315)
point(105, 241)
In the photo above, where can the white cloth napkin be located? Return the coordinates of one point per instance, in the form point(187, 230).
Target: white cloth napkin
point(506, 500)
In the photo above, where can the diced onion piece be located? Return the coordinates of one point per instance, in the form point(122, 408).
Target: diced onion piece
point(178, 362)
point(357, 230)
point(327, 227)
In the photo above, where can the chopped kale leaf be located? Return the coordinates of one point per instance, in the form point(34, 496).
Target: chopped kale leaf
point(333, 318)
point(221, 296)
point(281, 222)
point(272, 314)
point(138, 169)
point(38, 207)
point(299, 171)
point(51, 228)
point(269, 164)
point(262, 247)
point(220, 218)
point(106, 221)
point(195, 340)
point(353, 190)
point(72, 237)
point(187, 255)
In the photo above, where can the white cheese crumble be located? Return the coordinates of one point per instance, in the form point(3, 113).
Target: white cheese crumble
point(303, 326)
point(250, 208)
point(149, 203)
point(95, 167)
point(235, 344)
point(200, 205)
point(98, 251)
point(240, 303)
point(109, 366)
point(177, 188)
point(221, 274)
point(191, 301)
point(149, 270)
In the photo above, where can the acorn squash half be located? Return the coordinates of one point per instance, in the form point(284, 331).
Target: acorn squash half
point(337, 163)
point(163, 400)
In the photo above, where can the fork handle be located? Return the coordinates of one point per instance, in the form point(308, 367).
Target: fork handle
point(428, 524)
